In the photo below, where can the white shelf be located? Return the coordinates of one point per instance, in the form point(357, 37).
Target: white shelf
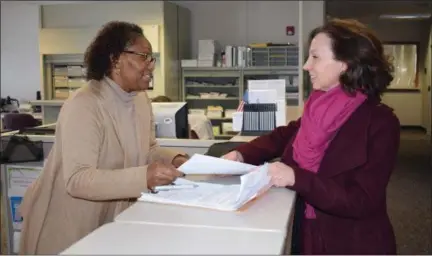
point(227, 98)
point(212, 86)
point(220, 118)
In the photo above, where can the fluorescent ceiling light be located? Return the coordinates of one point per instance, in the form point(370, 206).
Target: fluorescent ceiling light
point(406, 16)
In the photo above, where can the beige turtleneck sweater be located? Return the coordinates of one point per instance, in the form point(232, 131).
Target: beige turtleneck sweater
point(97, 167)
point(126, 112)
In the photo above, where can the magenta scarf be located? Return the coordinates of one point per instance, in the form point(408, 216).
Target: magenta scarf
point(324, 113)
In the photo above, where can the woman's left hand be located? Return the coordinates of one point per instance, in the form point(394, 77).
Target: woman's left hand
point(179, 160)
point(281, 174)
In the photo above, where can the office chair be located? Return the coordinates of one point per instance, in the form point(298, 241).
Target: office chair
point(19, 121)
point(220, 149)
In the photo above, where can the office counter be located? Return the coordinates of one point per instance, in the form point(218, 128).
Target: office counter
point(271, 212)
point(10, 197)
point(127, 238)
point(53, 103)
point(188, 146)
point(265, 214)
point(262, 227)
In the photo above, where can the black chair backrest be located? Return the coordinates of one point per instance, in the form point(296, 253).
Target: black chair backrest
point(18, 121)
point(220, 149)
point(19, 149)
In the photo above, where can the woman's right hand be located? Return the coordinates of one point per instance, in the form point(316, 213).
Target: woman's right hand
point(234, 156)
point(159, 174)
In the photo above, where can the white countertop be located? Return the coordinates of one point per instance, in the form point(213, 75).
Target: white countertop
point(47, 102)
point(166, 142)
point(271, 212)
point(150, 228)
point(163, 142)
point(239, 138)
point(128, 238)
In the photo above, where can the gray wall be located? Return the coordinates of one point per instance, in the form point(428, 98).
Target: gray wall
point(244, 22)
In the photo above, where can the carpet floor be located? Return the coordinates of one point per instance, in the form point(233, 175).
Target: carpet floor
point(410, 195)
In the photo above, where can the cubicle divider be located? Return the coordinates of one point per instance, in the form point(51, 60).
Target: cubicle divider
point(15, 179)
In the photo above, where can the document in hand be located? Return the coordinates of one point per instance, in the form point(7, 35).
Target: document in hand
point(202, 164)
point(215, 196)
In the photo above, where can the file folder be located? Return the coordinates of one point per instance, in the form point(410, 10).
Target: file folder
point(258, 119)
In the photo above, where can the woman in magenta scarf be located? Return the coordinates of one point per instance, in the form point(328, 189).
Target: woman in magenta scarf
point(340, 154)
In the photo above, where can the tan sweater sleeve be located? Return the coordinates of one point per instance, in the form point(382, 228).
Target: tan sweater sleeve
point(157, 153)
point(81, 134)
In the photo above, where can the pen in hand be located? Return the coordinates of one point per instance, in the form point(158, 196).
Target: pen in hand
point(175, 187)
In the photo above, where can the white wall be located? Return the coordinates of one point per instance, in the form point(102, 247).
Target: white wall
point(20, 61)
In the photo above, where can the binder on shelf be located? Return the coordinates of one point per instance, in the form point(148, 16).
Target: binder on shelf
point(258, 119)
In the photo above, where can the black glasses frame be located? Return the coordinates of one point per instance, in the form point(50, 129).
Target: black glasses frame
point(147, 57)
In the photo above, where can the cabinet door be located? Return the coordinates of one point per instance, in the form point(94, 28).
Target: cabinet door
point(65, 40)
point(152, 34)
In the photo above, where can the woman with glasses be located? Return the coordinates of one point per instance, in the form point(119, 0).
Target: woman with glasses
point(105, 152)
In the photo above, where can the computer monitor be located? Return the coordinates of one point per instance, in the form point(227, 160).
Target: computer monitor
point(171, 119)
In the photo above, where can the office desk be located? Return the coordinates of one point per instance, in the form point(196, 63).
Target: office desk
point(128, 238)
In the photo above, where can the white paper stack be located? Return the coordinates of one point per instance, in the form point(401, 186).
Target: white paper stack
point(215, 196)
point(237, 121)
point(202, 165)
point(207, 52)
point(278, 86)
point(189, 63)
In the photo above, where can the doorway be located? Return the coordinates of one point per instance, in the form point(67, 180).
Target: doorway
point(428, 82)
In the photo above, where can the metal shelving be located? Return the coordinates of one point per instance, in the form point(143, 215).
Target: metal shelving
point(204, 87)
point(232, 81)
point(63, 73)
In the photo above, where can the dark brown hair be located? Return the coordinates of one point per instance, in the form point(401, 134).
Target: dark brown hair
point(369, 70)
point(109, 43)
point(161, 98)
